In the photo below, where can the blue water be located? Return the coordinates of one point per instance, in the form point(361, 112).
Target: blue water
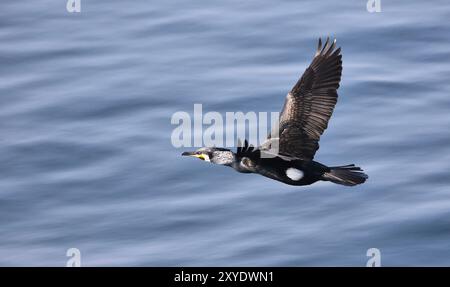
point(86, 159)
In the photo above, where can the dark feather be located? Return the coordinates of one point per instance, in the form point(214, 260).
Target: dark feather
point(310, 103)
point(244, 150)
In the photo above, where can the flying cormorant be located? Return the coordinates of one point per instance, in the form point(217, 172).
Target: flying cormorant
point(303, 119)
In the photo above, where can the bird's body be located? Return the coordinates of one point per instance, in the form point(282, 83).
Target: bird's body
point(303, 119)
point(295, 172)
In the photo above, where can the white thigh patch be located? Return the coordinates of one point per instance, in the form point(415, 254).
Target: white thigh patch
point(294, 174)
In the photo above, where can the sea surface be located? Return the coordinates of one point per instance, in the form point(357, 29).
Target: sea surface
point(87, 162)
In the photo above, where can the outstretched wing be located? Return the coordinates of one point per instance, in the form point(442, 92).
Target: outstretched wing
point(310, 103)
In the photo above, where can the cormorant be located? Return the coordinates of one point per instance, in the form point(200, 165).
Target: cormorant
point(303, 119)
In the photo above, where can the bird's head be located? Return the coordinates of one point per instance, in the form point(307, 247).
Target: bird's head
point(214, 155)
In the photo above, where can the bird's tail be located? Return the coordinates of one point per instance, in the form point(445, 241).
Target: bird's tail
point(349, 175)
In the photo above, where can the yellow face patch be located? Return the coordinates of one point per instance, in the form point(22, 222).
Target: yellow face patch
point(200, 156)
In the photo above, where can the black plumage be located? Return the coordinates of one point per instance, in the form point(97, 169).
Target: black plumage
point(303, 119)
point(310, 103)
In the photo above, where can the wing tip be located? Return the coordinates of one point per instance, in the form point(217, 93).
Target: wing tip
point(329, 48)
